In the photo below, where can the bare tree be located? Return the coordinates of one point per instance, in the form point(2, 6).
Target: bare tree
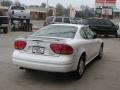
point(60, 10)
point(43, 5)
point(85, 12)
point(6, 3)
point(67, 11)
point(17, 2)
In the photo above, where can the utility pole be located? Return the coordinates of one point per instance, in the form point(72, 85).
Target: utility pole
point(47, 6)
point(3, 3)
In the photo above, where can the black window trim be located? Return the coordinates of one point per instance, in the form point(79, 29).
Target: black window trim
point(87, 38)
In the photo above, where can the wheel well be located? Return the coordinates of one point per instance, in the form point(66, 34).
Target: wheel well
point(102, 44)
point(83, 55)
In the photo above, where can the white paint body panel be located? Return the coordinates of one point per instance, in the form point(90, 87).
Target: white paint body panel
point(58, 63)
point(21, 14)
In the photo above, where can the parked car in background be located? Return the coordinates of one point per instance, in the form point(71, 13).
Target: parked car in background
point(58, 19)
point(4, 22)
point(119, 28)
point(58, 48)
point(101, 26)
point(18, 12)
point(35, 28)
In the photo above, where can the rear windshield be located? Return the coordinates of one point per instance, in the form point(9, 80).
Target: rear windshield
point(58, 19)
point(57, 31)
point(86, 22)
point(17, 8)
point(66, 20)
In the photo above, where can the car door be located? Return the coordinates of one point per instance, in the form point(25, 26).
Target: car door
point(95, 42)
point(109, 27)
point(90, 44)
point(99, 26)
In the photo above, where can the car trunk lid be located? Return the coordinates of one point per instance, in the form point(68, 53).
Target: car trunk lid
point(41, 45)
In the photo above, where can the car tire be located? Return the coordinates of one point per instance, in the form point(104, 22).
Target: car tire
point(80, 68)
point(5, 30)
point(106, 36)
point(28, 70)
point(100, 52)
point(116, 35)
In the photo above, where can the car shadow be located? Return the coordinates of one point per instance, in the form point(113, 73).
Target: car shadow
point(1, 32)
point(92, 63)
point(55, 78)
point(48, 77)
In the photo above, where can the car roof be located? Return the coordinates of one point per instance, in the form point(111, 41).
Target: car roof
point(60, 16)
point(75, 25)
point(17, 5)
point(96, 19)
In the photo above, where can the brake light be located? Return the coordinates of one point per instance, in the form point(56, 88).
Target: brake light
point(61, 49)
point(20, 45)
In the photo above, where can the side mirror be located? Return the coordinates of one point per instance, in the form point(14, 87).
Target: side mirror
point(95, 35)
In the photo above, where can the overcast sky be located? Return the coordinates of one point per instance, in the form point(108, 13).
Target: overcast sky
point(66, 3)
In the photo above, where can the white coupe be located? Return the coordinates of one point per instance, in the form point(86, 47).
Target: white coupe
point(58, 48)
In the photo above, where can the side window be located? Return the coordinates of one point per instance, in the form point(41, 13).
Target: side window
point(66, 20)
point(90, 34)
point(100, 22)
point(83, 33)
point(108, 23)
point(86, 33)
point(58, 19)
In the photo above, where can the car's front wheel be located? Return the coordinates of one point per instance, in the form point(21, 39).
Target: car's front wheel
point(80, 68)
point(100, 52)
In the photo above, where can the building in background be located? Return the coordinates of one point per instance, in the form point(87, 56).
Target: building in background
point(73, 11)
point(37, 13)
point(105, 8)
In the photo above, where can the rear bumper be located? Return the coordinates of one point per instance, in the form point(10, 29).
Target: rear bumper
point(43, 66)
point(44, 63)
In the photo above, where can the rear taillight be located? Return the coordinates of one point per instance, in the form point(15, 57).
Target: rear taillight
point(61, 49)
point(20, 45)
point(12, 12)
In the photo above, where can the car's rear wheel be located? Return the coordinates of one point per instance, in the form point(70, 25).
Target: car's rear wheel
point(80, 68)
point(28, 70)
point(116, 35)
point(5, 30)
point(100, 52)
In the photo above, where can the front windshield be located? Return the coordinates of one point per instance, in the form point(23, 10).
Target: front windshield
point(17, 8)
point(57, 31)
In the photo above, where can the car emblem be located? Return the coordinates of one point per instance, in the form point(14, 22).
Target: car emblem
point(38, 41)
